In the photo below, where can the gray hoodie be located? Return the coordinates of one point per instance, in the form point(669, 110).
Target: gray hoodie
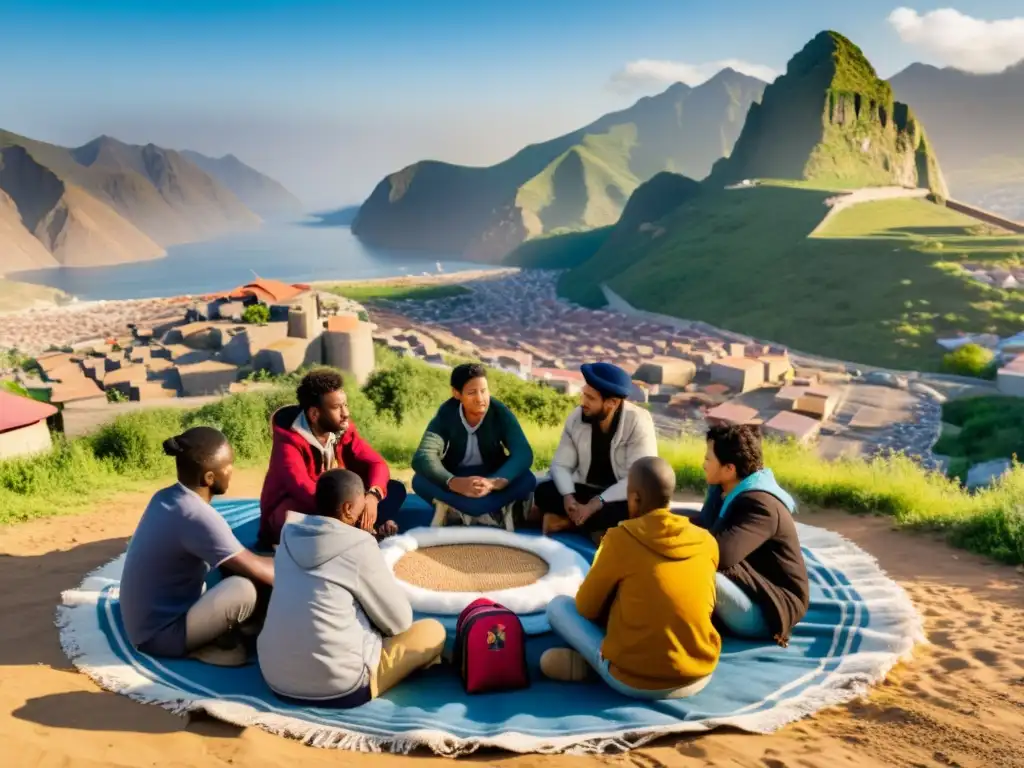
point(334, 597)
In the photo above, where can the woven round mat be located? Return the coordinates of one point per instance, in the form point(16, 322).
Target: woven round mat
point(470, 568)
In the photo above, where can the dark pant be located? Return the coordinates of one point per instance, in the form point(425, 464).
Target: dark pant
point(549, 501)
point(391, 507)
point(517, 490)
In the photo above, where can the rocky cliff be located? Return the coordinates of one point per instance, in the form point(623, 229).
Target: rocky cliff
point(832, 121)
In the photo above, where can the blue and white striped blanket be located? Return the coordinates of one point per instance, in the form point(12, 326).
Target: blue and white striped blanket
point(859, 625)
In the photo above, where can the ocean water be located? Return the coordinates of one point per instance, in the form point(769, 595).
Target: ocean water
point(293, 252)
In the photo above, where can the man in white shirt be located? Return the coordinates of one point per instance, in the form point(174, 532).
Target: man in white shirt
point(601, 440)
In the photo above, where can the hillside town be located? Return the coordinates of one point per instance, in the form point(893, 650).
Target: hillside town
point(152, 351)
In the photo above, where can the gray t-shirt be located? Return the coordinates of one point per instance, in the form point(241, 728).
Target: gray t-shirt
point(179, 539)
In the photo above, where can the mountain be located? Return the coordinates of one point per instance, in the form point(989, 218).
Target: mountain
point(259, 192)
point(581, 180)
point(105, 202)
point(976, 123)
point(864, 285)
point(831, 120)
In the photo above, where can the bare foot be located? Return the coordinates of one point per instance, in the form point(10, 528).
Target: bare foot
point(555, 524)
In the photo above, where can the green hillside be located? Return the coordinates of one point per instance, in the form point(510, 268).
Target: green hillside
point(831, 120)
point(878, 285)
point(578, 181)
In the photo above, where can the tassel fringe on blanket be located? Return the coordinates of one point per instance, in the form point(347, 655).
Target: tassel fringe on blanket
point(861, 625)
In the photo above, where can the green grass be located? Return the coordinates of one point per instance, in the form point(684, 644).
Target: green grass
point(15, 295)
point(126, 454)
point(392, 292)
point(558, 251)
point(984, 428)
point(586, 186)
point(877, 286)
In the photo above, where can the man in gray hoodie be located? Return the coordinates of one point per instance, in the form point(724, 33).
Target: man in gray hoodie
point(339, 629)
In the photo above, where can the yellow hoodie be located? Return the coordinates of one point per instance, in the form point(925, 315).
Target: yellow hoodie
point(653, 577)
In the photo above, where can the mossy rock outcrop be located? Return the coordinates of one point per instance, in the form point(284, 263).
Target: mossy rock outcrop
point(830, 120)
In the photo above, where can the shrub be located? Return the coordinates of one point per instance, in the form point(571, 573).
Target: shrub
point(129, 450)
point(256, 314)
point(115, 395)
point(406, 389)
point(9, 385)
point(969, 360)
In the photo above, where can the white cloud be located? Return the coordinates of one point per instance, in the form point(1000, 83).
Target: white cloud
point(644, 74)
point(961, 41)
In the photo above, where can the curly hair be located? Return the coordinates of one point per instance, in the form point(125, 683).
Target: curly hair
point(465, 373)
point(739, 445)
point(316, 384)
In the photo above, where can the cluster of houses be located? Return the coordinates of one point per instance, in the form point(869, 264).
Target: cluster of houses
point(698, 379)
point(208, 351)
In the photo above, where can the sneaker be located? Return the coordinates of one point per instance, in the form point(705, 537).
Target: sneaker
point(565, 665)
point(441, 514)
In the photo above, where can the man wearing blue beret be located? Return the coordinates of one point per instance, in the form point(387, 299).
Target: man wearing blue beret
point(601, 440)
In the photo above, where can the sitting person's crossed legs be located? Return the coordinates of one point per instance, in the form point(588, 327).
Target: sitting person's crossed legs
point(641, 619)
point(339, 630)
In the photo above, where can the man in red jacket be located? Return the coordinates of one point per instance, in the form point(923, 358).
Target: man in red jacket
point(312, 437)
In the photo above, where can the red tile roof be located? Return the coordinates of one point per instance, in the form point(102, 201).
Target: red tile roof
point(17, 411)
point(265, 290)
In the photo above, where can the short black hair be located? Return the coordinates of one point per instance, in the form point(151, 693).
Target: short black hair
point(655, 481)
point(334, 488)
point(465, 373)
point(739, 445)
point(194, 451)
point(316, 384)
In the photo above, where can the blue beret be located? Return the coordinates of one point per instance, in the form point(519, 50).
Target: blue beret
point(608, 379)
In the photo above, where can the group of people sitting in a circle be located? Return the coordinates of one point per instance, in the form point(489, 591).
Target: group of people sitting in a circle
point(326, 616)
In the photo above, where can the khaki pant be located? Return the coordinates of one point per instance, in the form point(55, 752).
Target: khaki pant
point(220, 609)
point(418, 647)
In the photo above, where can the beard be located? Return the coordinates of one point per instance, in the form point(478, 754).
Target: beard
point(591, 418)
point(324, 425)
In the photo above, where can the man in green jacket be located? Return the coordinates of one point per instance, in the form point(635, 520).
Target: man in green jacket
point(473, 463)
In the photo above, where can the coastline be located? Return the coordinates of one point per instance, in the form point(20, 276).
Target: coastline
point(440, 278)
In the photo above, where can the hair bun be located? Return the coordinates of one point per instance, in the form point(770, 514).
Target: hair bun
point(172, 447)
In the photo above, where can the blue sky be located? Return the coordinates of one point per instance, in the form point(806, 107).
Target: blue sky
point(329, 96)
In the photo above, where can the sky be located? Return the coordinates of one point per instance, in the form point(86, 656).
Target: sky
point(329, 97)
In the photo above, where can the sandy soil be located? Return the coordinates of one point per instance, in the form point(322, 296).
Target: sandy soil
point(960, 702)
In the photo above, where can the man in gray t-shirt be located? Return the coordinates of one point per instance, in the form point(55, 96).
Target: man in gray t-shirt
point(165, 609)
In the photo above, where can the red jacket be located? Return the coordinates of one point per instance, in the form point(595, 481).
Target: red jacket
point(290, 484)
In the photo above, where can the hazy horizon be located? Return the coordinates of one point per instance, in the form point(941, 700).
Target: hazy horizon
point(328, 97)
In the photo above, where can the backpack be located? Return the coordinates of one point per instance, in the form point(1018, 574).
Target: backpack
point(490, 648)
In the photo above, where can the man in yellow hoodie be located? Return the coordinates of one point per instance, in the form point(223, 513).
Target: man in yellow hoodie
point(652, 586)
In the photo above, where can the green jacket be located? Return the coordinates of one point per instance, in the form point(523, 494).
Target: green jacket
point(503, 446)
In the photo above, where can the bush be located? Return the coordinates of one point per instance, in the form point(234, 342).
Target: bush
point(407, 389)
point(970, 360)
point(129, 450)
point(115, 395)
point(256, 314)
point(9, 385)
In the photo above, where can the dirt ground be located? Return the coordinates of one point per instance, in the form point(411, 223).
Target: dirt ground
point(959, 702)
